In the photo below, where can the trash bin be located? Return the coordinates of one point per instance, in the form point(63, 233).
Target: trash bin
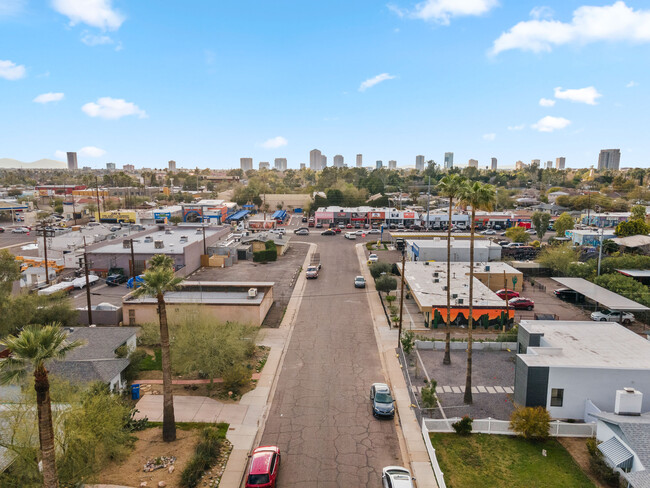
point(135, 392)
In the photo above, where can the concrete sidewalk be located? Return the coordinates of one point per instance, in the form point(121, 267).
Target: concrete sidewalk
point(414, 450)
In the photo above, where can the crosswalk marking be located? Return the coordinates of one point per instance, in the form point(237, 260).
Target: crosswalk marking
point(475, 389)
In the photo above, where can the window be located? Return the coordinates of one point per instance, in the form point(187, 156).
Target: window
point(131, 317)
point(557, 395)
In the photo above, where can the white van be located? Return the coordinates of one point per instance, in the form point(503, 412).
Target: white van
point(350, 235)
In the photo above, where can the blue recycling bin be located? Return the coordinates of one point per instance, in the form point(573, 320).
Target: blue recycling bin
point(135, 392)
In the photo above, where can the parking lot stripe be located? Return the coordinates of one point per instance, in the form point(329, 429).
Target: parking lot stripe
point(481, 389)
point(499, 389)
point(508, 389)
point(455, 389)
point(447, 389)
point(490, 389)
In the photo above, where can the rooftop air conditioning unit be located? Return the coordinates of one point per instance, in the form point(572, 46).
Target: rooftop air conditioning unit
point(168, 231)
point(444, 288)
point(454, 295)
point(460, 301)
point(198, 231)
point(126, 243)
point(435, 274)
point(426, 263)
point(487, 268)
point(252, 292)
point(436, 280)
point(158, 244)
point(183, 238)
point(148, 239)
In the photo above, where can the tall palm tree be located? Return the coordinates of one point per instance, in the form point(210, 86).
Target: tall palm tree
point(163, 260)
point(156, 282)
point(31, 349)
point(449, 186)
point(479, 196)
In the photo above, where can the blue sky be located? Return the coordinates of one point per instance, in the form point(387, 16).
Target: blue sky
point(207, 82)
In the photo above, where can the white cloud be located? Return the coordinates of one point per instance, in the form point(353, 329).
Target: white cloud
point(48, 97)
point(93, 40)
point(546, 102)
point(11, 71)
point(541, 13)
point(10, 8)
point(586, 95)
point(549, 124)
point(631, 84)
point(112, 108)
point(616, 22)
point(95, 13)
point(489, 137)
point(91, 152)
point(442, 11)
point(275, 142)
point(370, 82)
point(517, 127)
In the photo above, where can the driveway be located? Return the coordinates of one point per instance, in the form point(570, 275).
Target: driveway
point(320, 416)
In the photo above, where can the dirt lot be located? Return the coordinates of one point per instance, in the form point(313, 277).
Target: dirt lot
point(577, 447)
point(283, 273)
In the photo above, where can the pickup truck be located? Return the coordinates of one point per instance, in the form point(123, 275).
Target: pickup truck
point(312, 272)
point(612, 316)
point(315, 261)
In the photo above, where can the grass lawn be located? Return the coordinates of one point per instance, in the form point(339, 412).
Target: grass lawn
point(501, 460)
point(152, 363)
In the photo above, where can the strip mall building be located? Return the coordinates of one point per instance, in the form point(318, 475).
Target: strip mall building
point(365, 215)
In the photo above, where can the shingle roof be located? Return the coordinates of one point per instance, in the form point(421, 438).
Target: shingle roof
point(638, 479)
point(89, 371)
point(100, 342)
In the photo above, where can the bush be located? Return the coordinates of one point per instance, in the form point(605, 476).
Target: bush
point(531, 422)
point(376, 269)
point(508, 336)
point(463, 426)
point(428, 394)
point(599, 467)
point(408, 341)
point(135, 361)
point(386, 284)
point(236, 377)
point(205, 454)
point(391, 298)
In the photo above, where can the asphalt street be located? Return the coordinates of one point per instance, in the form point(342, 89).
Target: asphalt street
point(321, 416)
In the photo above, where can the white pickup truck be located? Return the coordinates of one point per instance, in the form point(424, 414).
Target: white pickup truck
point(613, 316)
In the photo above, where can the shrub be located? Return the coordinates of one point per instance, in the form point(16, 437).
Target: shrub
point(463, 426)
point(599, 467)
point(428, 394)
point(205, 454)
point(135, 361)
point(408, 341)
point(376, 269)
point(386, 284)
point(236, 377)
point(531, 422)
point(508, 336)
point(391, 298)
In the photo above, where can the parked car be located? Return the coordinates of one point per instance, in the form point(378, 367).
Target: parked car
point(521, 303)
point(568, 294)
point(301, 232)
point(341, 226)
point(115, 279)
point(319, 225)
point(507, 294)
point(115, 228)
point(503, 243)
point(20, 230)
point(350, 235)
point(305, 219)
point(374, 231)
point(264, 467)
point(383, 404)
point(489, 232)
point(359, 282)
point(2, 229)
point(373, 258)
point(301, 228)
point(515, 244)
point(396, 477)
point(360, 232)
point(328, 232)
point(613, 316)
point(349, 226)
point(337, 230)
point(366, 226)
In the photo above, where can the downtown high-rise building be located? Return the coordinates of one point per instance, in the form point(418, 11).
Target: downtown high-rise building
point(323, 161)
point(534, 163)
point(303, 166)
point(338, 161)
point(419, 162)
point(72, 161)
point(280, 164)
point(519, 165)
point(549, 164)
point(392, 164)
point(128, 167)
point(264, 165)
point(379, 164)
point(359, 160)
point(494, 164)
point(609, 159)
point(110, 166)
point(472, 163)
point(559, 163)
point(246, 164)
point(171, 165)
point(449, 160)
point(314, 160)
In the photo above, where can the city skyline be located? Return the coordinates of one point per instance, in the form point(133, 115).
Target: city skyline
point(201, 102)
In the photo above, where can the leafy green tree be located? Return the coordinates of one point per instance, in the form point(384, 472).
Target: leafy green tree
point(9, 272)
point(156, 282)
point(626, 286)
point(18, 311)
point(563, 223)
point(531, 422)
point(335, 197)
point(479, 196)
point(638, 213)
point(386, 284)
point(558, 258)
point(379, 268)
point(449, 186)
point(632, 228)
point(428, 394)
point(33, 348)
point(517, 234)
point(540, 221)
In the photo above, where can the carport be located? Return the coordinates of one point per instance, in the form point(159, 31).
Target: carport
point(601, 296)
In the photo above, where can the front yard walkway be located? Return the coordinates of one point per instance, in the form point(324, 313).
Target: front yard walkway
point(192, 409)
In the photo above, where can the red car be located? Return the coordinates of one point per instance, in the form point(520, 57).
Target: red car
point(521, 303)
point(507, 294)
point(264, 467)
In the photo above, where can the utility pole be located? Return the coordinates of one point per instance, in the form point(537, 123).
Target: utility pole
point(132, 260)
point(428, 203)
point(90, 311)
point(205, 249)
point(45, 233)
point(99, 211)
point(401, 301)
point(505, 287)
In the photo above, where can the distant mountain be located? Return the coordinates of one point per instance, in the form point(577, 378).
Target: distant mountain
point(7, 163)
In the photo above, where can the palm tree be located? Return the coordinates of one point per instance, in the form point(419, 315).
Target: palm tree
point(156, 282)
point(161, 260)
point(32, 348)
point(478, 196)
point(449, 186)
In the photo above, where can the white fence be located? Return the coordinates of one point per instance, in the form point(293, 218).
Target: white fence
point(492, 426)
point(440, 477)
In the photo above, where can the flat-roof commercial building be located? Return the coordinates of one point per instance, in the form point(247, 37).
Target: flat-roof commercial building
point(246, 303)
point(587, 237)
point(562, 364)
point(427, 283)
point(607, 219)
point(183, 244)
point(436, 250)
point(208, 211)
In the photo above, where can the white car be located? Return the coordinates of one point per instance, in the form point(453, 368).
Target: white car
point(374, 231)
point(396, 477)
point(350, 235)
point(20, 230)
point(612, 316)
point(373, 258)
point(489, 232)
